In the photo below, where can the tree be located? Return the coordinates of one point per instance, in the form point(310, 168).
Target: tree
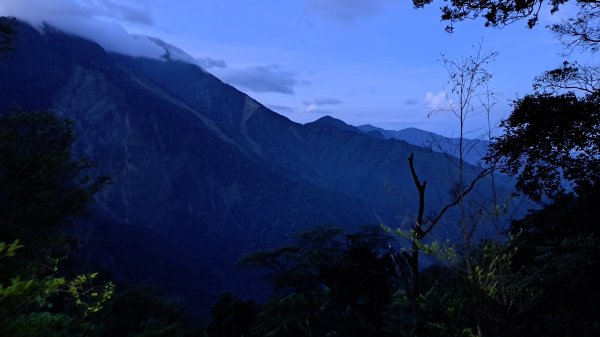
point(467, 78)
point(570, 76)
point(329, 284)
point(42, 184)
point(552, 144)
point(41, 187)
point(581, 31)
point(498, 13)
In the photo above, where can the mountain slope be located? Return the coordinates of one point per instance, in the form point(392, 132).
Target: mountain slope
point(338, 159)
point(202, 173)
point(176, 178)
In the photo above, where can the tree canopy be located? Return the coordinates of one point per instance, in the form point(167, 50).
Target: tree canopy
point(552, 144)
point(582, 30)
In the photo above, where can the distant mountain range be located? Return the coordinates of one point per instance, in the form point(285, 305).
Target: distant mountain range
point(202, 173)
point(474, 149)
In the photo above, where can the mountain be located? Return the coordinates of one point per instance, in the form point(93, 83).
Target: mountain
point(475, 149)
point(201, 173)
point(337, 123)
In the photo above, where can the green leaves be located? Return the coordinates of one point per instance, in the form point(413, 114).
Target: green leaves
point(88, 296)
point(10, 249)
point(42, 186)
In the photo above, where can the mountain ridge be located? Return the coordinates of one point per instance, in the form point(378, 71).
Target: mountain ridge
point(201, 169)
point(475, 149)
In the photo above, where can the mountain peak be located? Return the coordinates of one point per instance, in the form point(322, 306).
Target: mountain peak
point(332, 122)
point(328, 120)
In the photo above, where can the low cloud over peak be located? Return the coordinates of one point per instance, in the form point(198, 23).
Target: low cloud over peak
point(96, 20)
point(38, 11)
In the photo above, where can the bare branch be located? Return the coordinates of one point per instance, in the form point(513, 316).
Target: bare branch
point(458, 199)
point(570, 76)
point(583, 30)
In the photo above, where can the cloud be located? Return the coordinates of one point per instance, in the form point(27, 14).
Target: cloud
point(207, 62)
point(96, 20)
point(316, 105)
point(347, 11)
point(281, 108)
point(129, 11)
point(262, 79)
point(411, 101)
point(438, 101)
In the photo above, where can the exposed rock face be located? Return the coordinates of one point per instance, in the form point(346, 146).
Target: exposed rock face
point(202, 173)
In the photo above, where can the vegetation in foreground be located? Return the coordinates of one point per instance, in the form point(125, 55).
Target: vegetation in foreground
point(540, 282)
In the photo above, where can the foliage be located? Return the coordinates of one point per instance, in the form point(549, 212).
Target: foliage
point(552, 146)
point(522, 287)
point(495, 12)
point(569, 76)
point(141, 312)
point(329, 284)
point(41, 184)
point(443, 251)
point(583, 30)
point(42, 188)
point(550, 140)
point(231, 317)
point(8, 250)
point(558, 253)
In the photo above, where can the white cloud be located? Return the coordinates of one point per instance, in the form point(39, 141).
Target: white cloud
point(207, 62)
point(347, 11)
point(262, 79)
point(41, 10)
point(96, 20)
point(316, 105)
point(437, 101)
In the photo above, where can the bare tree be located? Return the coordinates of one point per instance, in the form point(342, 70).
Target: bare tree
point(583, 30)
point(468, 95)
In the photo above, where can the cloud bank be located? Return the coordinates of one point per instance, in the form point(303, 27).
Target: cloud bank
point(262, 79)
point(347, 11)
point(96, 20)
point(207, 63)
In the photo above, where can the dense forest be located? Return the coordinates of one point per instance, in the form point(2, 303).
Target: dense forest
point(539, 279)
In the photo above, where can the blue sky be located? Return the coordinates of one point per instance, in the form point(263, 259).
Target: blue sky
point(363, 61)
